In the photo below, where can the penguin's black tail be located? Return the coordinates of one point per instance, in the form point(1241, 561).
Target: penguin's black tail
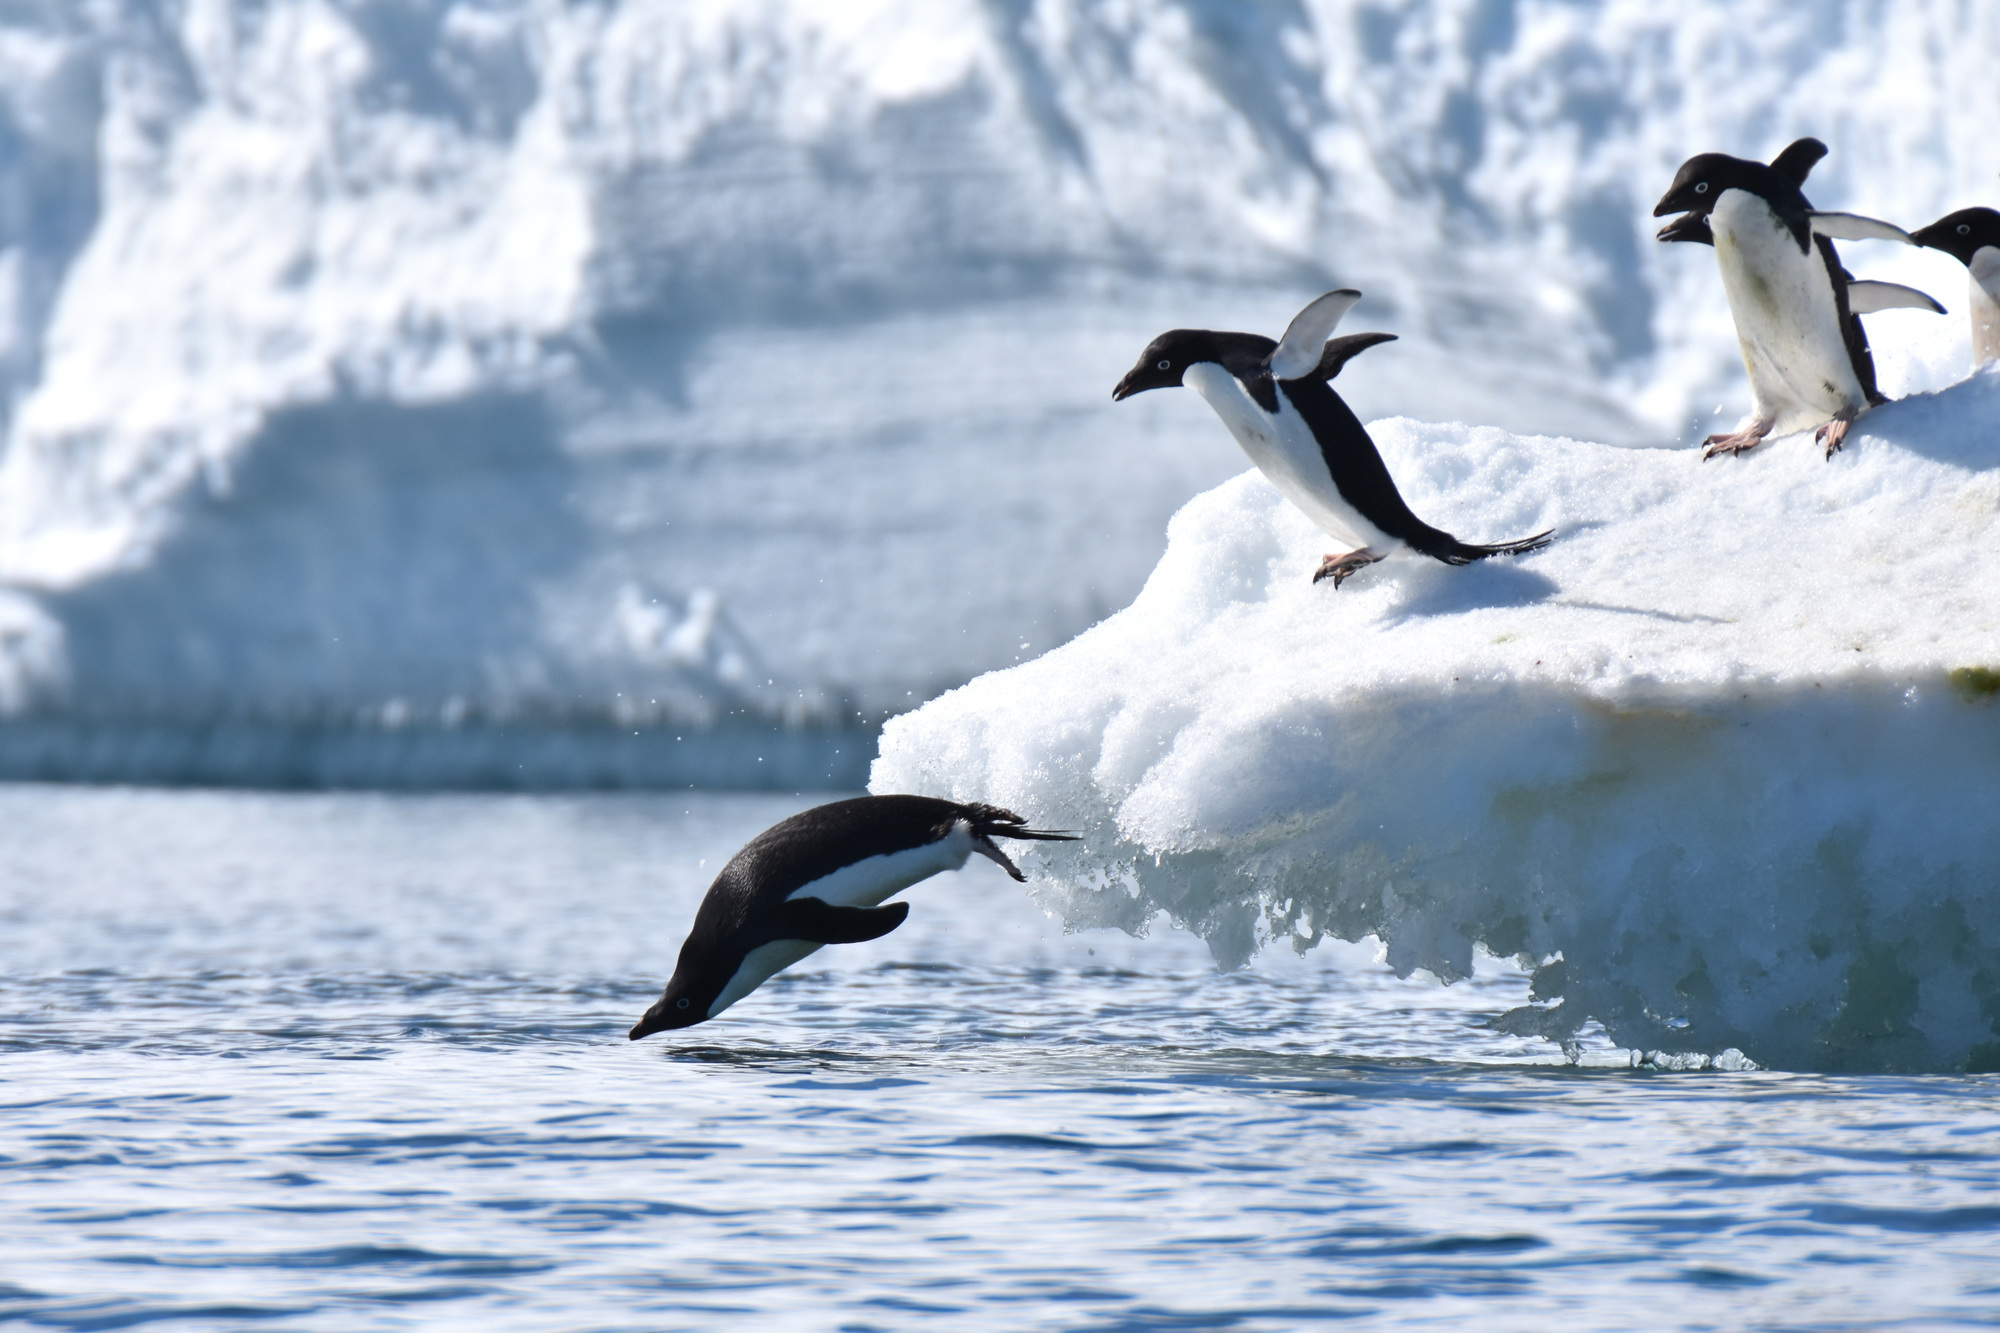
point(1455, 552)
point(990, 821)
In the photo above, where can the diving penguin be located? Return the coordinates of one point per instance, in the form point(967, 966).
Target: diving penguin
point(1972, 237)
point(819, 878)
point(1796, 309)
point(1276, 401)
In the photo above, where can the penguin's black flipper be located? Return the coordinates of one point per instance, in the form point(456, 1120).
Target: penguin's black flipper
point(1798, 160)
point(1854, 227)
point(1339, 351)
point(1866, 297)
point(817, 921)
point(1851, 331)
point(1293, 358)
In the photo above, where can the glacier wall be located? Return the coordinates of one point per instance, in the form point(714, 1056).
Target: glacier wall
point(656, 364)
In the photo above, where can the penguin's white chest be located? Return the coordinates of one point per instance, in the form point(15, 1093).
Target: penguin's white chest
point(872, 882)
point(866, 883)
point(1787, 319)
point(1284, 449)
point(1985, 297)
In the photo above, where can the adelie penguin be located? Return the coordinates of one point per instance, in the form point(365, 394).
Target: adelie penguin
point(820, 878)
point(1276, 401)
point(1972, 237)
point(1796, 309)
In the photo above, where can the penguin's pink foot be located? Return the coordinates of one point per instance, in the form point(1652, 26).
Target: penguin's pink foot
point(1338, 567)
point(1740, 442)
point(1834, 432)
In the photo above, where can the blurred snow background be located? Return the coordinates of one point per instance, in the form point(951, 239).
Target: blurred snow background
point(664, 367)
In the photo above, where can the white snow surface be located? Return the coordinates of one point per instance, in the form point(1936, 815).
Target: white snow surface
point(812, 309)
point(1722, 762)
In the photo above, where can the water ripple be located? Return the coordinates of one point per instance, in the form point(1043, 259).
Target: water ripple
point(224, 1102)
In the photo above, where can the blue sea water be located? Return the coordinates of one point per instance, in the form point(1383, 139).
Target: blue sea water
point(358, 1062)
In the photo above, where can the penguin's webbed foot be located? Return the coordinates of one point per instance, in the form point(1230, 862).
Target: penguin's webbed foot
point(1338, 567)
point(1738, 442)
point(1833, 433)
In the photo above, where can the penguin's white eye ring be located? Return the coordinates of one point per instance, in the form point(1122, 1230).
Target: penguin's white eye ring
point(1168, 365)
point(1965, 229)
point(1701, 187)
point(681, 1003)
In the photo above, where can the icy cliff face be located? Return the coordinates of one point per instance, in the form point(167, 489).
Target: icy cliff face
point(1720, 762)
point(814, 308)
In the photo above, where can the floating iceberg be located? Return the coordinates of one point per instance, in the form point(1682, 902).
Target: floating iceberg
point(1722, 764)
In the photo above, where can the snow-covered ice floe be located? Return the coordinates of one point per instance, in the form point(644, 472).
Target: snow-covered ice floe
point(1722, 764)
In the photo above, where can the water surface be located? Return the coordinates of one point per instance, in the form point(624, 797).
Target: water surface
point(358, 1062)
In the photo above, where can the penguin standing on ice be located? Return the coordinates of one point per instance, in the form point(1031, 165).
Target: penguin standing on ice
point(820, 878)
point(1276, 401)
point(1796, 309)
point(1972, 237)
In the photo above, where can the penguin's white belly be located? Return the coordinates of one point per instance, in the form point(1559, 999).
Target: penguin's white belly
point(1985, 269)
point(759, 966)
point(1284, 450)
point(1787, 321)
point(871, 882)
point(866, 883)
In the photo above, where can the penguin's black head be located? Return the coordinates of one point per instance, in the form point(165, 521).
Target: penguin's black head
point(1165, 360)
point(1962, 234)
point(1688, 227)
point(685, 1003)
point(1702, 179)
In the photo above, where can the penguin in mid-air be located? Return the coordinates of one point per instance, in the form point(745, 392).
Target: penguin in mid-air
point(820, 878)
point(1276, 401)
point(1972, 237)
point(1796, 309)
